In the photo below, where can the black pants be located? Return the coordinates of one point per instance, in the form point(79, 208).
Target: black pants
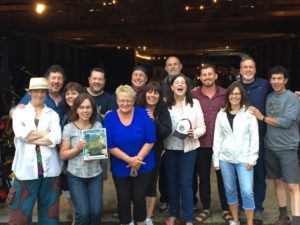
point(132, 190)
point(162, 181)
point(202, 169)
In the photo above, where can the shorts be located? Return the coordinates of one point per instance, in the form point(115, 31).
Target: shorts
point(282, 164)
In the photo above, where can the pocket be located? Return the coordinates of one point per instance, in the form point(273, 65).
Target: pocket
point(11, 196)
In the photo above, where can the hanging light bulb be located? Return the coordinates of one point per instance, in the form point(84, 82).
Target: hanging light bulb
point(40, 8)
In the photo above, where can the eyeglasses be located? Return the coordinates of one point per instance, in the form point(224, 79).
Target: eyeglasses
point(84, 107)
point(234, 94)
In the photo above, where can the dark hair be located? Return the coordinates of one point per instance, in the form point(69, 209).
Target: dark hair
point(227, 105)
point(71, 86)
point(279, 70)
point(55, 69)
point(97, 69)
point(73, 116)
point(205, 66)
point(170, 95)
point(156, 87)
point(140, 68)
point(247, 57)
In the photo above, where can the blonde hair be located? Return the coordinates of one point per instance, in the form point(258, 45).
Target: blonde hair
point(125, 90)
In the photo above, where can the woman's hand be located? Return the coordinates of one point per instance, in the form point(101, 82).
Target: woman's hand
point(191, 133)
point(249, 166)
point(217, 168)
point(135, 163)
point(150, 114)
point(80, 145)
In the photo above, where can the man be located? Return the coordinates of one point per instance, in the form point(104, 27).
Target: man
point(211, 98)
point(55, 77)
point(139, 78)
point(281, 142)
point(173, 67)
point(257, 90)
point(104, 100)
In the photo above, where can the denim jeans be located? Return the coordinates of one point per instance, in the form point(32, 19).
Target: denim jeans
point(179, 173)
point(87, 197)
point(244, 177)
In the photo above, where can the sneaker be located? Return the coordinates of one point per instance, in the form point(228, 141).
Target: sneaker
point(148, 221)
point(163, 206)
point(258, 219)
point(131, 223)
point(282, 221)
point(231, 222)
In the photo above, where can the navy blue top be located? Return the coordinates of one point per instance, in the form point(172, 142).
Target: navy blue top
point(130, 139)
point(257, 93)
point(48, 102)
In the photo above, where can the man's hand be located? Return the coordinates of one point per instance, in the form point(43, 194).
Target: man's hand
point(254, 111)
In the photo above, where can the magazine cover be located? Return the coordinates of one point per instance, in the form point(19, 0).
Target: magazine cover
point(96, 144)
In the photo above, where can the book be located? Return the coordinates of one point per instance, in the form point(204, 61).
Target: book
point(96, 144)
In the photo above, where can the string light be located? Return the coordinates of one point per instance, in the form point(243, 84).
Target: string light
point(201, 7)
point(143, 56)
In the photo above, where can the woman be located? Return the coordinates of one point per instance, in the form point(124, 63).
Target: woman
point(84, 177)
point(70, 92)
point(180, 155)
point(130, 139)
point(151, 99)
point(36, 163)
point(235, 150)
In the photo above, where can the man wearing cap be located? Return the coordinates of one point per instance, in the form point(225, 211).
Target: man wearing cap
point(55, 77)
point(139, 78)
point(105, 101)
point(36, 164)
point(211, 98)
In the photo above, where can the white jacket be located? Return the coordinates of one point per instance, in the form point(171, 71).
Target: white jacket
point(239, 145)
point(195, 116)
point(25, 160)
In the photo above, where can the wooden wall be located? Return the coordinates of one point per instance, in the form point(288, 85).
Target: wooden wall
point(285, 53)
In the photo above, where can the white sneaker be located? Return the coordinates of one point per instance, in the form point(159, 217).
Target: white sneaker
point(231, 222)
point(131, 223)
point(148, 221)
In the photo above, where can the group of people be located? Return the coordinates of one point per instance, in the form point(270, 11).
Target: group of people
point(167, 131)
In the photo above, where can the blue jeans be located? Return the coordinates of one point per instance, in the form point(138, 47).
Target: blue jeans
point(179, 173)
point(87, 197)
point(259, 187)
point(245, 179)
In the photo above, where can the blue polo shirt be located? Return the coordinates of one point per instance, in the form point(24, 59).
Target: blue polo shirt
point(130, 139)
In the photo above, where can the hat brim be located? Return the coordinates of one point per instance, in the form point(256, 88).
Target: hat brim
point(37, 88)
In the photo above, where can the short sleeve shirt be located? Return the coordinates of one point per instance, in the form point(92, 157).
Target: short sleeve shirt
point(76, 165)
